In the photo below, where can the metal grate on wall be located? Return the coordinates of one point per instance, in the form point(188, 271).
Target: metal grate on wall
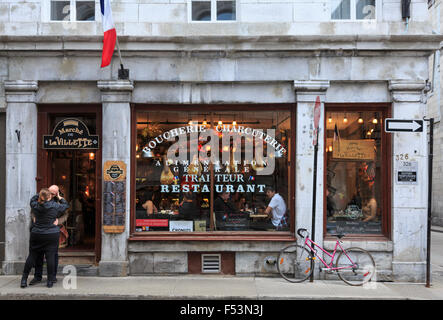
point(211, 263)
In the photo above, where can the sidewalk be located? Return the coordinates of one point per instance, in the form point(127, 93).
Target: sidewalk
point(215, 287)
point(209, 287)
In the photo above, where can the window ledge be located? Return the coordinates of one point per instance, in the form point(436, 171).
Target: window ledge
point(372, 243)
point(214, 236)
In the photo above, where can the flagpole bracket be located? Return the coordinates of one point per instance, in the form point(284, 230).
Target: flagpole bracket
point(123, 74)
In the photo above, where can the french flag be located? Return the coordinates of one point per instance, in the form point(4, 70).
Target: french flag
point(110, 36)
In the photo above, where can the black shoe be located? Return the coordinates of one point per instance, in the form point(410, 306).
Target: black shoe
point(54, 280)
point(24, 282)
point(35, 281)
point(50, 284)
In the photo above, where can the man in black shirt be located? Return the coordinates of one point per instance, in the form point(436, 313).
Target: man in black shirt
point(223, 207)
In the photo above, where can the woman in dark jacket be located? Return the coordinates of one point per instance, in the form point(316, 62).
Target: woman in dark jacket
point(44, 234)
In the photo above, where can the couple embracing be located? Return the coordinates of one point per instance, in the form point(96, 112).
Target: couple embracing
point(47, 207)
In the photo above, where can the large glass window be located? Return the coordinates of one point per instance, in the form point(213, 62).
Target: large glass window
point(72, 10)
point(355, 181)
point(212, 171)
point(352, 9)
point(213, 10)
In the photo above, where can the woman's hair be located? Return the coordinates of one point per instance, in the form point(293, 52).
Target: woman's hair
point(366, 192)
point(44, 195)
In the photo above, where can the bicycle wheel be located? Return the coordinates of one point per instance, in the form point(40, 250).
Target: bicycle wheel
point(356, 266)
point(295, 263)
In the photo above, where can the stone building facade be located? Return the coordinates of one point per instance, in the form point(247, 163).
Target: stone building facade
point(255, 60)
point(435, 111)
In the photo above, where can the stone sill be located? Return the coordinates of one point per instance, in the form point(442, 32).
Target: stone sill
point(418, 42)
point(370, 245)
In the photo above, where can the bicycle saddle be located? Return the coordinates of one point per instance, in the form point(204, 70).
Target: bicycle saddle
point(341, 235)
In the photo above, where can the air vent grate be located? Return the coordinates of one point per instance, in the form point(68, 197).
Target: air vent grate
point(211, 263)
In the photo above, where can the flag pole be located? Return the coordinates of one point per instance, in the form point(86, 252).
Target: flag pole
point(119, 53)
point(123, 74)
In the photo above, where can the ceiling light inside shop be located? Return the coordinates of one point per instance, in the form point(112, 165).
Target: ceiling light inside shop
point(375, 121)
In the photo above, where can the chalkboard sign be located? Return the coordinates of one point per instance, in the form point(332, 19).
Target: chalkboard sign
point(70, 133)
point(114, 197)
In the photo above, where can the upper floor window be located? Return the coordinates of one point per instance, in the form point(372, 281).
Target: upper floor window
point(72, 10)
point(352, 9)
point(213, 10)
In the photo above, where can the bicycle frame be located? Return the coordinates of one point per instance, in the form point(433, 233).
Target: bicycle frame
point(330, 265)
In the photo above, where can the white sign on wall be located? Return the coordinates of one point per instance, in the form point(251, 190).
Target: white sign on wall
point(407, 172)
point(182, 226)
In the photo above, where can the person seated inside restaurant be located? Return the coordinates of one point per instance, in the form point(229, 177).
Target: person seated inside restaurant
point(188, 209)
point(223, 207)
point(242, 205)
point(148, 204)
point(276, 209)
point(369, 204)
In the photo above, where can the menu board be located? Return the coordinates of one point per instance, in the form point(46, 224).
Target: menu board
point(362, 149)
point(114, 197)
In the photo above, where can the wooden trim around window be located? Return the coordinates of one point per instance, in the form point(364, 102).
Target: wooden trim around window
point(215, 235)
point(386, 150)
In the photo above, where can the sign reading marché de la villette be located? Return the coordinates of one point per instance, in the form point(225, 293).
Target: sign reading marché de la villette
point(70, 134)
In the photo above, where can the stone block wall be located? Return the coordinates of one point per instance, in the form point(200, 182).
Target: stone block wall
point(173, 18)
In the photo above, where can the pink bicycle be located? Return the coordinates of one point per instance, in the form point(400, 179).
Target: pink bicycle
point(355, 266)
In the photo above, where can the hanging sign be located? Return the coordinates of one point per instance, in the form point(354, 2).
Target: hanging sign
point(114, 197)
point(70, 134)
point(362, 149)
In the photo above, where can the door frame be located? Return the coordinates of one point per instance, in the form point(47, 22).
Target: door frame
point(42, 178)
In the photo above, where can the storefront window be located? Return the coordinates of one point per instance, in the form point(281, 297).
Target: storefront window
point(354, 178)
point(214, 171)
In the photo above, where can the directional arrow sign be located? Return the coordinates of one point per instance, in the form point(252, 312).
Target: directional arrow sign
point(400, 125)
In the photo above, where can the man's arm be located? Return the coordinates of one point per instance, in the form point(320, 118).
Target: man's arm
point(62, 206)
point(34, 201)
point(270, 206)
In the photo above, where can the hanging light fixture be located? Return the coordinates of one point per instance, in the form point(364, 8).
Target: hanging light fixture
point(360, 119)
point(345, 119)
point(330, 119)
point(234, 123)
point(375, 120)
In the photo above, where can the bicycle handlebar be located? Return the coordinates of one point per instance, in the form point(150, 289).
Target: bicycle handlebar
point(299, 231)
